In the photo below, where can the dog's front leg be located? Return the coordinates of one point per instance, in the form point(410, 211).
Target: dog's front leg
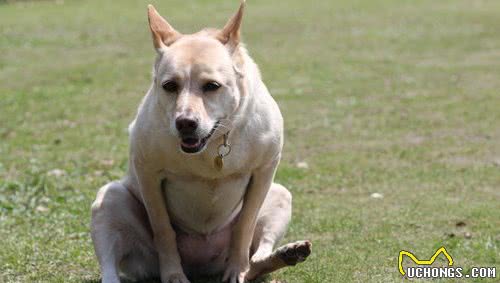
point(163, 233)
point(238, 261)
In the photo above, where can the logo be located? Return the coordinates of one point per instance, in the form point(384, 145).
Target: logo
point(423, 262)
point(425, 270)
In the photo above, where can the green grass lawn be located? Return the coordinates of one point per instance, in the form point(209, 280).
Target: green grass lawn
point(400, 98)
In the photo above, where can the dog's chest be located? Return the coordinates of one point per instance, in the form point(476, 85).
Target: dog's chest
point(201, 205)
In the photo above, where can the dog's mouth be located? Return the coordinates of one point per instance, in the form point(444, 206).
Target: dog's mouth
point(192, 144)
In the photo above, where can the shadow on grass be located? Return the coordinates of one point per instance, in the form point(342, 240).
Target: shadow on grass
point(215, 279)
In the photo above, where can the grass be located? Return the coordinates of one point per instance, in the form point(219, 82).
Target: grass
point(393, 97)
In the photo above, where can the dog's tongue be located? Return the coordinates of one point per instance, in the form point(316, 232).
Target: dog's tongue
point(190, 142)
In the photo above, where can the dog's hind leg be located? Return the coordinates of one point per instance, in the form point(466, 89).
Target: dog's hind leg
point(120, 235)
point(272, 222)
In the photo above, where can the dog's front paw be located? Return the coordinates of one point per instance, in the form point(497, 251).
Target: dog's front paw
point(235, 272)
point(177, 277)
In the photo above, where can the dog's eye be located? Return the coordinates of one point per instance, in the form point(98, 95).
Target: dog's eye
point(170, 86)
point(211, 86)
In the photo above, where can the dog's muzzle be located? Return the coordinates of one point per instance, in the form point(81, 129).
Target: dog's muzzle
point(192, 144)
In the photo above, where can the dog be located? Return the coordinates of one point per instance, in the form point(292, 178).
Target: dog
point(199, 197)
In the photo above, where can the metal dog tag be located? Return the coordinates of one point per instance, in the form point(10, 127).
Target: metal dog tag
point(218, 162)
point(223, 150)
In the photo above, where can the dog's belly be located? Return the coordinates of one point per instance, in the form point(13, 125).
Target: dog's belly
point(204, 207)
point(204, 254)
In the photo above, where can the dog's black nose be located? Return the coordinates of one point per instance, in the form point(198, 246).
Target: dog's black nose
point(186, 125)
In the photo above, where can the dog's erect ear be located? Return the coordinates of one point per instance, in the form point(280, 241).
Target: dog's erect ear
point(163, 33)
point(230, 34)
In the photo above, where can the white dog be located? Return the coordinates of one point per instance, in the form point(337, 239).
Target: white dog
point(199, 197)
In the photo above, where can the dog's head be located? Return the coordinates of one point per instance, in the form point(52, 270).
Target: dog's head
point(196, 79)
